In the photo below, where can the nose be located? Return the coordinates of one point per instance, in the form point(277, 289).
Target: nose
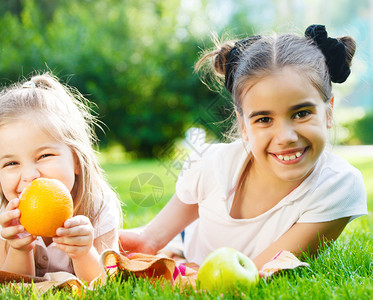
point(285, 133)
point(29, 173)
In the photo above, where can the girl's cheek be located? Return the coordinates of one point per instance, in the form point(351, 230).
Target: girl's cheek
point(5, 191)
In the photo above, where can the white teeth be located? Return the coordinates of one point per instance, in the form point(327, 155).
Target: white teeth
point(291, 157)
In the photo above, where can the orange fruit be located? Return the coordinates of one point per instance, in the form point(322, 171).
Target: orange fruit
point(45, 205)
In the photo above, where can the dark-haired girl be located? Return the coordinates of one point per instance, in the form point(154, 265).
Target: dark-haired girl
point(276, 187)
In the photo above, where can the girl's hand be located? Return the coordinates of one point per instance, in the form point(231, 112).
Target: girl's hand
point(76, 237)
point(135, 241)
point(12, 231)
point(158, 233)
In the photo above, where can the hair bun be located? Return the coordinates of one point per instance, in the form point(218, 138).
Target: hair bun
point(333, 50)
point(233, 58)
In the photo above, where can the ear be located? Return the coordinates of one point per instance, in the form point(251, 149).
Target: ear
point(329, 114)
point(76, 164)
point(242, 126)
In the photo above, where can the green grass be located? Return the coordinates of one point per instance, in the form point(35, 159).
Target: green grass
point(342, 271)
point(121, 175)
point(365, 165)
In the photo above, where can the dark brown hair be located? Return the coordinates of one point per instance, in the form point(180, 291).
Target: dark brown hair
point(263, 55)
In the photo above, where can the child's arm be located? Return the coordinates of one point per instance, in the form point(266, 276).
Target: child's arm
point(19, 256)
point(19, 261)
point(171, 220)
point(88, 266)
point(76, 239)
point(303, 237)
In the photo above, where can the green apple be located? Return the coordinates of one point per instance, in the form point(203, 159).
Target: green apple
point(226, 268)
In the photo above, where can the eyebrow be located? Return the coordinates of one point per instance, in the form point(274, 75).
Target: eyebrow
point(303, 105)
point(43, 148)
point(259, 113)
point(292, 108)
point(7, 156)
point(47, 147)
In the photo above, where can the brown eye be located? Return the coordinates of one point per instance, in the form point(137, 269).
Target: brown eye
point(11, 163)
point(264, 120)
point(301, 114)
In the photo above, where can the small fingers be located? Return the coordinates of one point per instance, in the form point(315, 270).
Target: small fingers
point(12, 204)
point(23, 243)
point(74, 240)
point(10, 218)
point(11, 232)
point(76, 221)
point(73, 251)
point(81, 230)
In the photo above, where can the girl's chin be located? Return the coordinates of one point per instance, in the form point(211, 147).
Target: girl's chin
point(294, 177)
point(296, 174)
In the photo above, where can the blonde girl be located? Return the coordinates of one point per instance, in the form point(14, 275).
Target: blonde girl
point(46, 130)
point(276, 187)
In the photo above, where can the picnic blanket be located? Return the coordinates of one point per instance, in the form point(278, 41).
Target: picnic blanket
point(154, 267)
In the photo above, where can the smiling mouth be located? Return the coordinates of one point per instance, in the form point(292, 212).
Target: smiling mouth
point(291, 156)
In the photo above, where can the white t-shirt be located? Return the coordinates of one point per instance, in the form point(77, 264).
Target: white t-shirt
point(51, 259)
point(334, 190)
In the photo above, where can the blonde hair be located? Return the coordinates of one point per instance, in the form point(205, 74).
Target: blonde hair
point(65, 114)
point(260, 56)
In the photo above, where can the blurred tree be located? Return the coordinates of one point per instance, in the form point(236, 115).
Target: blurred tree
point(134, 59)
point(361, 130)
point(13, 6)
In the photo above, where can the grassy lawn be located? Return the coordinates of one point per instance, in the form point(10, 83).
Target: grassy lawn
point(343, 271)
point(121, 175)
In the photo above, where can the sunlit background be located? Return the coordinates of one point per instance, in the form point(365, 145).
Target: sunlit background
point(135, 59)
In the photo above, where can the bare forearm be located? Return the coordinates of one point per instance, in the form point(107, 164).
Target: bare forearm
point(21, 262)
point(87, 267)
point(303, 238)
point(172, 219)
